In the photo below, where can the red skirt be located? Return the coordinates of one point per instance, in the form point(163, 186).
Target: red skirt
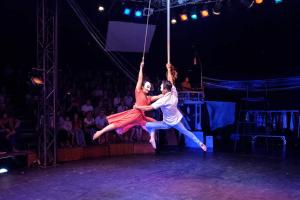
point(125, 120)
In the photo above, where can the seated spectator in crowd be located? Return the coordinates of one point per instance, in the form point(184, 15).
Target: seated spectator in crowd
point(117, 100)
point(128, 100)
point(78, 131)
point(68, 127)
point(185, 85)
point(8, 130)
point(101, 122)
point(89, 126)
point(109, 108)
point(87, 107)
point(97, 93)
point(64, 139)
point(135, 134)
point(99, 108)
point(121, 107)
point(74, 107)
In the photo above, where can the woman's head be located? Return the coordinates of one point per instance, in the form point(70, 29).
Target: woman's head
point(146, 86)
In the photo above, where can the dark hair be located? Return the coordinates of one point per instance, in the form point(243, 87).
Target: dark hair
point(144, 81)
point(167, 85)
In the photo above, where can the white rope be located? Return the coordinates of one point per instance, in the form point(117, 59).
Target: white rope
point(168, 32)
point(146, 33)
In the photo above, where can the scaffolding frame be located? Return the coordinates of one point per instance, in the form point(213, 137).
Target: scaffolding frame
point(47, 64)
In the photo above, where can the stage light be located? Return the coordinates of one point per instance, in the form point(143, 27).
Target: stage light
point(138, 13)
point(3, 170)
point(127, 11)
point(278, 1)
point(37, 81)
point(259, 1)
point(101, 8)
point(204, 13)
point(194, 17)
point(148, 11)
point(183, 17)
point(216, 10)
point(173, 21)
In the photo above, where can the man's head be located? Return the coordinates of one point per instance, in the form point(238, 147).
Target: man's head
point(165, 87)
point(146, 87)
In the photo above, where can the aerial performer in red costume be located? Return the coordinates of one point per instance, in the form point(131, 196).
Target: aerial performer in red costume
point(123, 121)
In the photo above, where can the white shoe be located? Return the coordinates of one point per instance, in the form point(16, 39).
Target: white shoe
point(203, 146)
point(153, 143)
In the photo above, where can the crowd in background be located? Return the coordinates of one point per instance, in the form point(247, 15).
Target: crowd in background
point(86, 97)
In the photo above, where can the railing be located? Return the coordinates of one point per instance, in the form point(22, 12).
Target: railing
point(190, 97)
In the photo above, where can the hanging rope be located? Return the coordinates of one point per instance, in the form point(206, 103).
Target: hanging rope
point(101, 44)
point(168, 32)
point(146, 32)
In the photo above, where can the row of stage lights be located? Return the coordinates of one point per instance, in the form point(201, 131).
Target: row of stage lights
point(139, 13)
point(126, 11)
point(193, 16)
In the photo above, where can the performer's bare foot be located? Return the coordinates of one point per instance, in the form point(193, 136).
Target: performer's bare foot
point(203, 146)
point(96, 135)
point(153, 143)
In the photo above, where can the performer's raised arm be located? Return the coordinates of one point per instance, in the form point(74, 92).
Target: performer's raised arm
point(140, 77)
point(171, 73)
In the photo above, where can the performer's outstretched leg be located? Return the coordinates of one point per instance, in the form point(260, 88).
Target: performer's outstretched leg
point(180, 127)
point(152, 136)
point(152, 139)
point(107, 128)
point(151, 127)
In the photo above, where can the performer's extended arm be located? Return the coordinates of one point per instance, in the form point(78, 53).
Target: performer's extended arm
point(140, 77)
point(143, 108)
point(169, 73)
point(154, 98)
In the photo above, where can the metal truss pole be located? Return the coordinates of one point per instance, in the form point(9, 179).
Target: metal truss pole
point(47, 16)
